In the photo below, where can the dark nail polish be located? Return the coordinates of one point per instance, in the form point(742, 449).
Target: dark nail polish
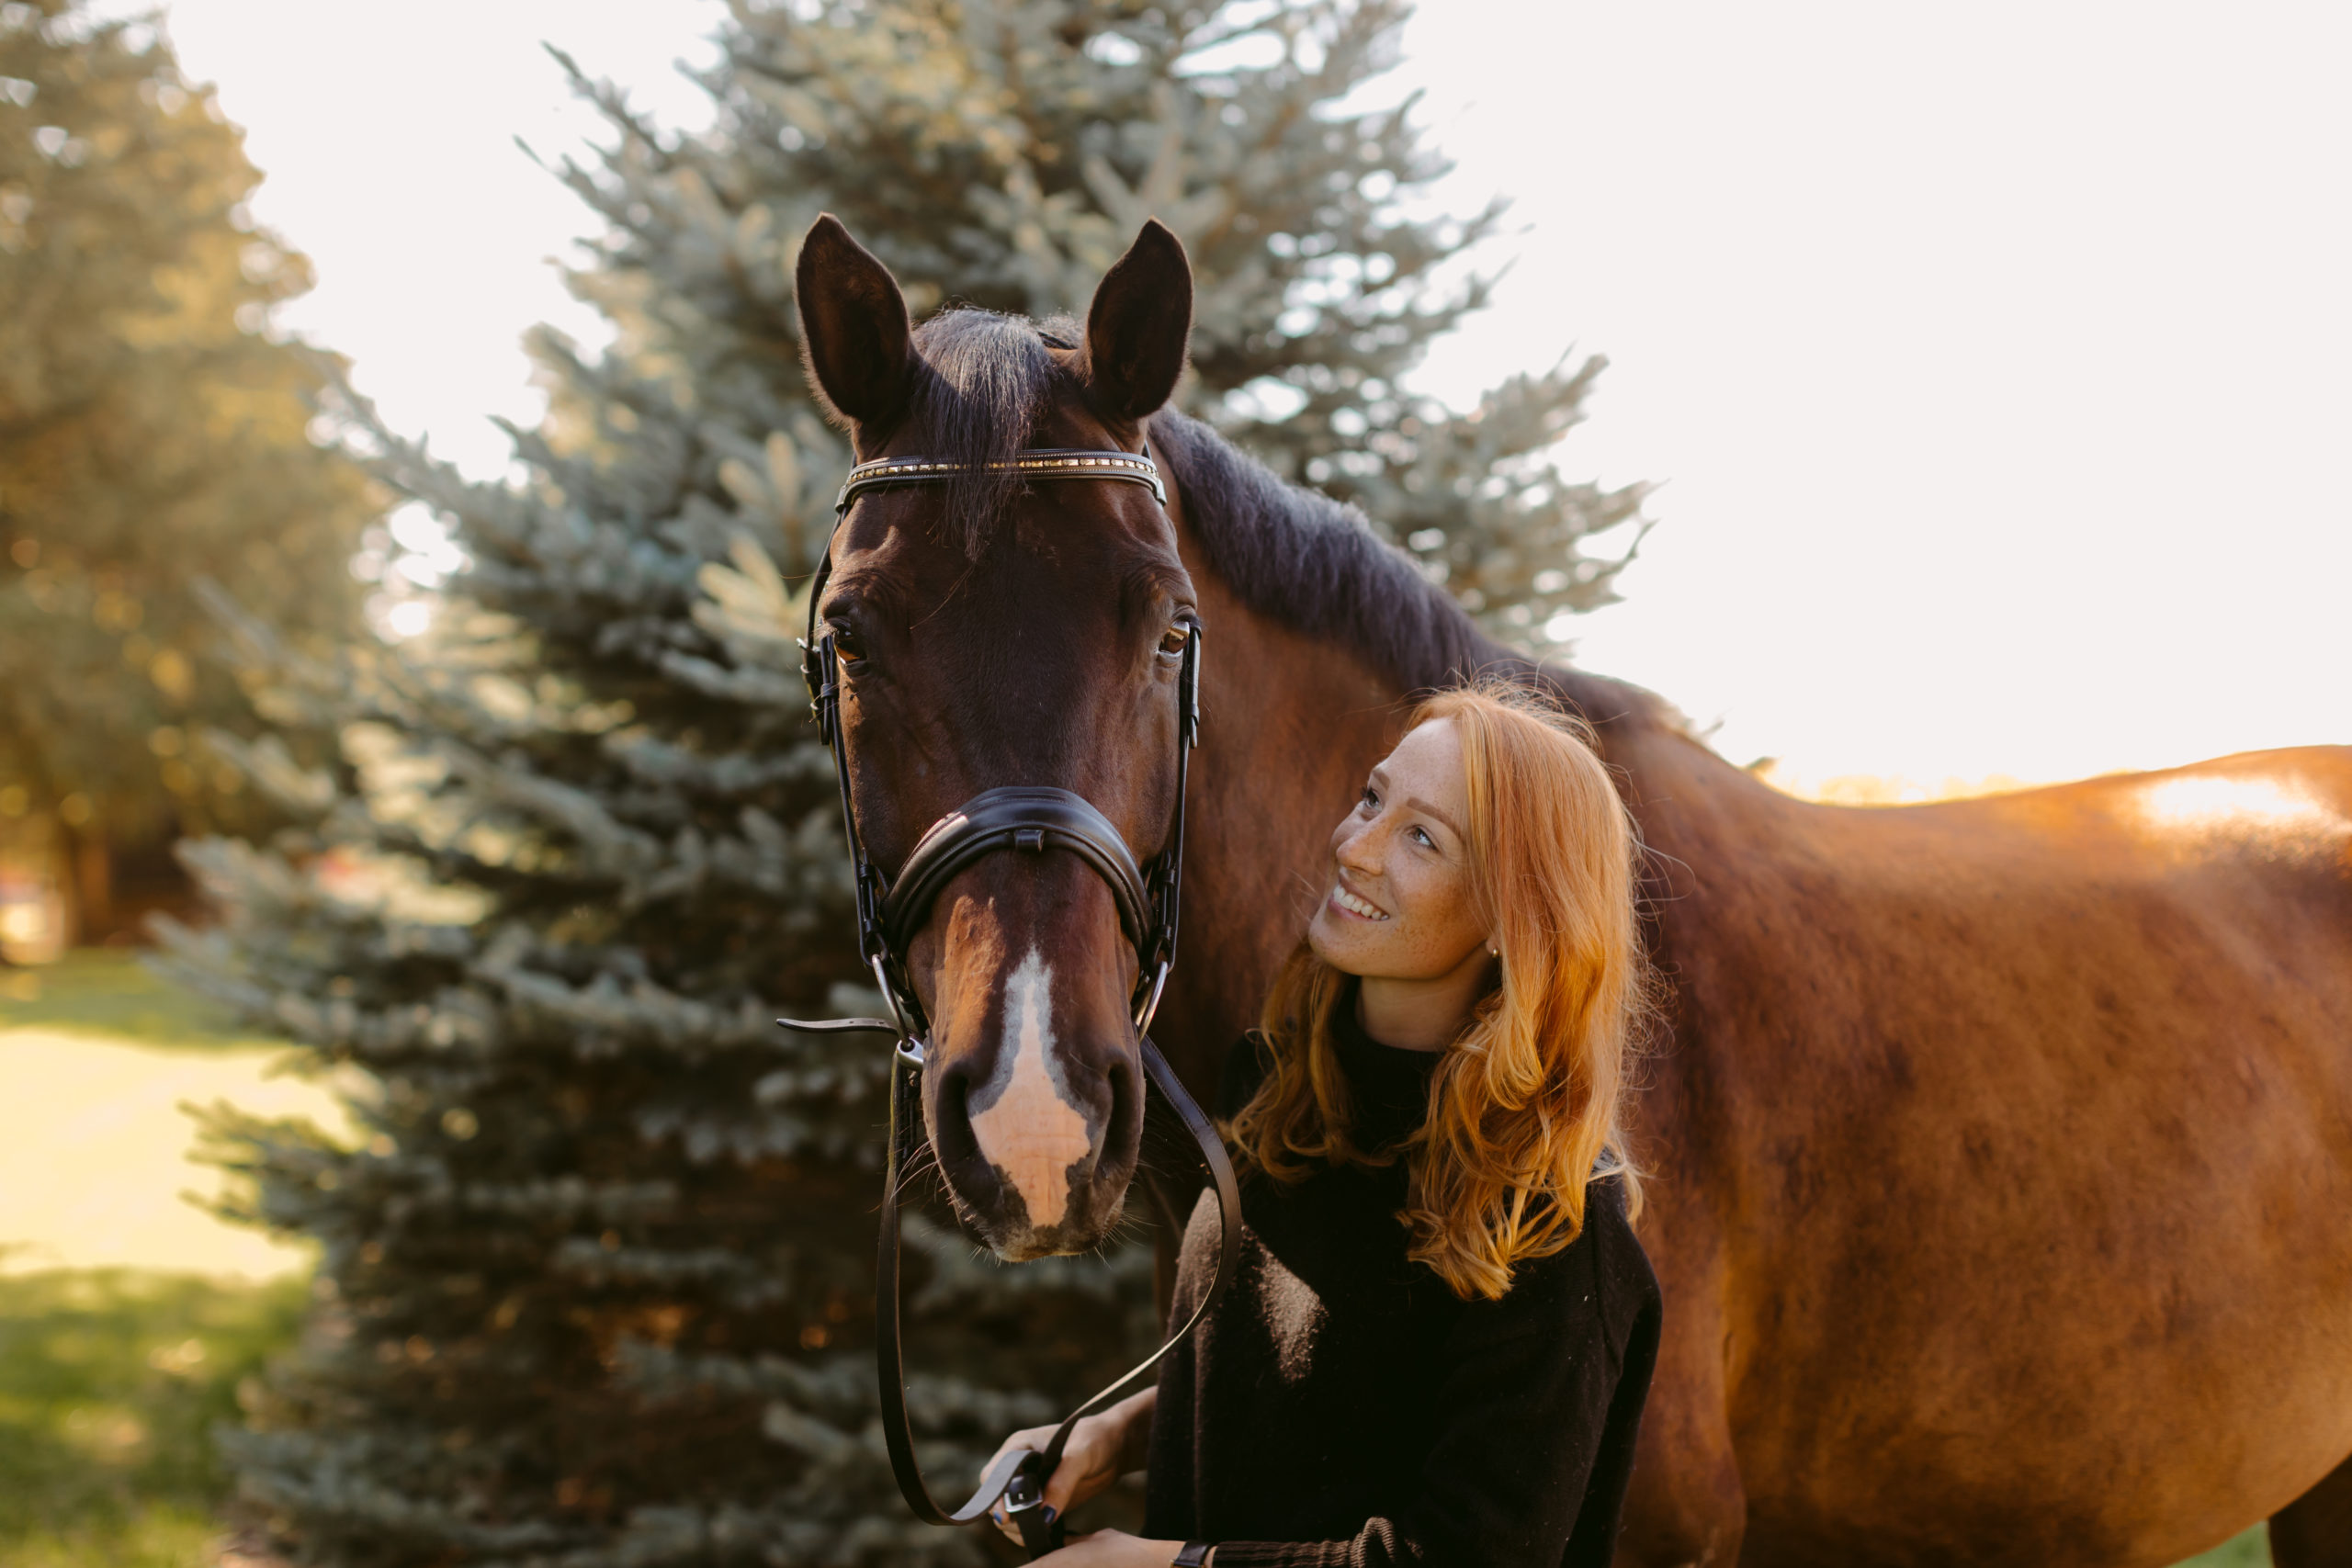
point(1047, 1514)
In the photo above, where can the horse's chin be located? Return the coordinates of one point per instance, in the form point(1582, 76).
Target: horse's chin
point(1029, 1249)
point(1015, 1240)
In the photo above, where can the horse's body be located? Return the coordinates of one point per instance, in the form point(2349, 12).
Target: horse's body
point(2003, 1148)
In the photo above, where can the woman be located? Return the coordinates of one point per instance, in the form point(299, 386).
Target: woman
point(1440, 1334)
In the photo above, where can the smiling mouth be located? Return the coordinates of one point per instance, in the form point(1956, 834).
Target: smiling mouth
point(1361, 909)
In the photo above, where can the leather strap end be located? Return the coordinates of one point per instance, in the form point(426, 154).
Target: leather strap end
point(839, 1025)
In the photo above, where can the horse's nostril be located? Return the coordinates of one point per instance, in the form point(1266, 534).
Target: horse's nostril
point(951, 1116)
point(1123, 1137)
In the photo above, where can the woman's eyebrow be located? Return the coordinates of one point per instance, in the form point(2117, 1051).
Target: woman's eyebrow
point(1418, 803)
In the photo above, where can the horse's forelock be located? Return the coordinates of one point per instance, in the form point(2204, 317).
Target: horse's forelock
point(989, 380)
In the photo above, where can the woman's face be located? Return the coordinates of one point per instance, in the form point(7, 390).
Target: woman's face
point(1399, 907)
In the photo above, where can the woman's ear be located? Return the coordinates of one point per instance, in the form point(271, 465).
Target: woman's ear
point(855, 336)
point(1139, 325)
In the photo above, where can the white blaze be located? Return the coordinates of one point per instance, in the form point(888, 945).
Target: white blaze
point(1030, 1133)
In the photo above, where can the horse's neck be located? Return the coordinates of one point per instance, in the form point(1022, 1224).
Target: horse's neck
point(1693, 808)
point(1294, 719)
point(1291, 726)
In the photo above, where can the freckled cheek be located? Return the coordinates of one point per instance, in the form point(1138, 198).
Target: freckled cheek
point(1435, 920)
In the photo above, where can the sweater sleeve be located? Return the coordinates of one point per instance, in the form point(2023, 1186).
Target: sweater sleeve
point(1539, 1400)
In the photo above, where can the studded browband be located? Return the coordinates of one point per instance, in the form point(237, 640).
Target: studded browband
point(1035, 463)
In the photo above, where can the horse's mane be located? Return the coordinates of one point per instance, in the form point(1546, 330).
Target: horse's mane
point(1290, 553)
point(1314, 563)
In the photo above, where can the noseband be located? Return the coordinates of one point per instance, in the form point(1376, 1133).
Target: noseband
point(891, 910)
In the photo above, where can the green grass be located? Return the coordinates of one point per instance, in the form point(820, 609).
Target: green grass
point(2251, 1549)
point(105, 991)
point(111, 1382)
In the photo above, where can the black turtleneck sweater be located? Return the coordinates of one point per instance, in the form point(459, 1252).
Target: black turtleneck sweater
point(1341, 1405)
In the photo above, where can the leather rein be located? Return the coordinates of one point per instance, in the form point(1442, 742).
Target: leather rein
point(892, 909)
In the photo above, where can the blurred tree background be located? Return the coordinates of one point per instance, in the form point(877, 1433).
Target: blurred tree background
point(152, 433)
point(595, 1279)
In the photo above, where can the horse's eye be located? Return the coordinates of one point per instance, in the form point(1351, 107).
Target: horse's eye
point(1172, 641)
point(846, 648)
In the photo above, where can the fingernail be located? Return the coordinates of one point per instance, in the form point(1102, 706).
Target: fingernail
point(1047, 1514)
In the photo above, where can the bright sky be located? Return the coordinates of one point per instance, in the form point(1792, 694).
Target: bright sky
point(1998, 358)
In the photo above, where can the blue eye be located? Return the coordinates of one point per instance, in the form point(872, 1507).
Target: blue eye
point(1427, 842)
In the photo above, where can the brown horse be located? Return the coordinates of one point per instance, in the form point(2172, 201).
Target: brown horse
point(2003, 1147)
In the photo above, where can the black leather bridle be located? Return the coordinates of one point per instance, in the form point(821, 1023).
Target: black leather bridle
point(891, 910)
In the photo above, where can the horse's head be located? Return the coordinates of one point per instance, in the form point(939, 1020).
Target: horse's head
point(990, 633)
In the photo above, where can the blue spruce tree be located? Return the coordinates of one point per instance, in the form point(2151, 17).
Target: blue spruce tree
point(595, 1286)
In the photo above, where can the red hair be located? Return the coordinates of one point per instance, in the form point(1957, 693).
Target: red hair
point(1525, 1104)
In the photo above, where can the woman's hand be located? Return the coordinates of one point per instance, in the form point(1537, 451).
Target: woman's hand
point(1100, 1449)
point(1113, 1548)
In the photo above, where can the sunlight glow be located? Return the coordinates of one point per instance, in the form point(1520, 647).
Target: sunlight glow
point(409, 617)
point(2263, 808)
point(94, 1145)
point(432, 556)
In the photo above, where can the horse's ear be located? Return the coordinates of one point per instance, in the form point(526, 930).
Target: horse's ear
point(855, 336)
point(1138, 325)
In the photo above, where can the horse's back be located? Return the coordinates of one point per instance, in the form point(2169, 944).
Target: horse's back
point(2276, 822)
point(2226, 881)
point(2037, 1113)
